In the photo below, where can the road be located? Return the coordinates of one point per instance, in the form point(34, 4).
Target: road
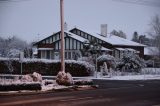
point(110, 93)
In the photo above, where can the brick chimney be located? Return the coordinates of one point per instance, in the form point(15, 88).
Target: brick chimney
point(104, 30)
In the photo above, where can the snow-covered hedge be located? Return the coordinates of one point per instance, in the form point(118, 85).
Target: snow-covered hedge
point(47, 67)
point(131, 62)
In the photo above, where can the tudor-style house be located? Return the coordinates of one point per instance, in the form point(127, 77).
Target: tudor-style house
point(49, 48)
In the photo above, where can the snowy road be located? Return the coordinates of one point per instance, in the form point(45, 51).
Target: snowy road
point(127, 93)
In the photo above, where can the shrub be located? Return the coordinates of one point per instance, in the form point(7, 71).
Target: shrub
point(64, 78)
point(131, 63)
point(47, 67)
point(110, 61)
point(22, 86)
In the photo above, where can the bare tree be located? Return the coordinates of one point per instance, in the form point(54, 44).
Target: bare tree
point(155, 32)
point(9, 47)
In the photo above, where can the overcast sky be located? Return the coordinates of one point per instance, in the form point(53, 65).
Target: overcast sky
point(35, 19)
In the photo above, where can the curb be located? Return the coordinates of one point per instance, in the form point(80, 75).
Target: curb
point(74, 88)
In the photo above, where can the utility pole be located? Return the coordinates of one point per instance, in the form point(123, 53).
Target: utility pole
point(62, 35)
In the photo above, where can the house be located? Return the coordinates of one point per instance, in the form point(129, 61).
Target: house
point(49, 48)
point(151, 52)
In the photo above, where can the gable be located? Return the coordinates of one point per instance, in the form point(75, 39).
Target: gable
point(70, 44)
point(50, 39)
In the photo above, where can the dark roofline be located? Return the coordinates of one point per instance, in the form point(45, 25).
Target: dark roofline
point(142, 45)
point(46, 38)
point(89, 34)
point(56, 40)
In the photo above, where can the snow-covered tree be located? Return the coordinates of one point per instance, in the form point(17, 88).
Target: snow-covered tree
point(155, 32)
point(114, 32)
point(119, 33)
point(131, 62)
point(11, 46)
point(110, 61)
point(122, 34)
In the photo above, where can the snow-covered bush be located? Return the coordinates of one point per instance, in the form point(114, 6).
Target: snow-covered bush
point(48, 67)
point(37, 77)
point(17, 84)
point(149, 63)
point(131, 62)
point(87, 59)
point(110, 61)
point(27, 78)
point(64, 78)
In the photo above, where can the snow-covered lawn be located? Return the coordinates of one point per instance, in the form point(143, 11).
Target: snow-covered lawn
point(132, 77)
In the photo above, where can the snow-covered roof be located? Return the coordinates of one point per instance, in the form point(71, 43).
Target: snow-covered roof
point(121, 49)
point(151, 51)
point(79, 38)
point(105, 49)
point(127, 49)
point(112, 39)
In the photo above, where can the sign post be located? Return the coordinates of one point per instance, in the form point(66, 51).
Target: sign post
point(21, 60)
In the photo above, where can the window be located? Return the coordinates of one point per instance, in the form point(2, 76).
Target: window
point(52, 54)
point(48, 54)
point(50, 40)
point(43, 55)
point(69, 55)
point(67, 43)
point(86, 35)
point(74, 31)
point(73, 55)
point(53, 38)
point(47, 41)
point(71, 46)
point(89, 37)
point(43, 42)
point(74, 44)
point(82, 34)
point(78, 32)
point(66, 55)
point(78, 45)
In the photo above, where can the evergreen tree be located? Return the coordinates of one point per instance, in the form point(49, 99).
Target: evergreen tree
point(135, 37)
point(119, 34)
point(122, 34)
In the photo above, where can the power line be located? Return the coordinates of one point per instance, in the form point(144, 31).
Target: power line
point(141, 2)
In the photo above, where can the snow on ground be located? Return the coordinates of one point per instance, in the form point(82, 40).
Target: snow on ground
point(132, 77)
point(14, 82)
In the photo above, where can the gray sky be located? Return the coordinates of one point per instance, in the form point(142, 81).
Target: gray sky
point(36, 19)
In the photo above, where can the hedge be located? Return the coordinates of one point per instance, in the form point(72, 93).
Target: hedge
point(46, 67)
point(23, 86)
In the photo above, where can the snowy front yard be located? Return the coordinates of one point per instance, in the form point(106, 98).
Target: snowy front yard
point(34, 82)
point(132, 77)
